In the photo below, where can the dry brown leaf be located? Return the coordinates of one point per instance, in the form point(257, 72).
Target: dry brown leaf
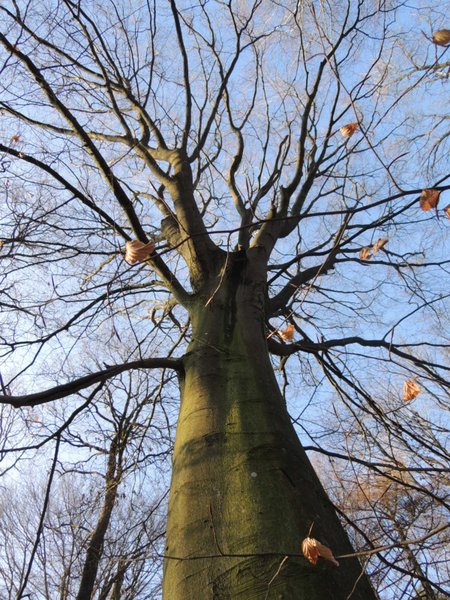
point(410, 390)
point(15, 138)
point(312, 549)
point(447, 211)
point(287, 334)
point(136, 251)
point(349, 129)
point(429, 199)
point(441, 37)
point(2, 243)
point(364, 253)
point(380, 244)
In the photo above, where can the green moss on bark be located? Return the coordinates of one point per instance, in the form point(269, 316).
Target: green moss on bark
point(243, 492)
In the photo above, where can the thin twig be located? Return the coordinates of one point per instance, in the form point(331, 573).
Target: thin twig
point(41, 520)
point(275, 576)
point(298, 555)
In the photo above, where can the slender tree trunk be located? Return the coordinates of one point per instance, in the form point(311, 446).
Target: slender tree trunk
point(242, 484)
point(95, 547)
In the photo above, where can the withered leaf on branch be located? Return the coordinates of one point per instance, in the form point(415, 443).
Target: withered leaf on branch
point(312, 549)
point(136, 251)
point(349, 129)
point(365, 254)
point(410, 390)
point(380, 244)
point(429, 199)
point(447, 211)
point(287, 334)
point(441, 37)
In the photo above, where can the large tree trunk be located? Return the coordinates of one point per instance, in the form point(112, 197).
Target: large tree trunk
point(242, 484)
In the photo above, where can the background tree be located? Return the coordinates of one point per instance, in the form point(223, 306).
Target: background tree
point(261, 165)
point(94, 528)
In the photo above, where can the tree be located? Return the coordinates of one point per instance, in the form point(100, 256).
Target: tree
point(94, 526)
point(286, 163)
point(125, 568)
point(387, 508)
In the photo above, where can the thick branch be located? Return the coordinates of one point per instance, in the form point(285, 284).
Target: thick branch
point(280, 301)
point(66, 389)
point(102, 164)
point(186, 77)
point(280, 349)
point(69, 187)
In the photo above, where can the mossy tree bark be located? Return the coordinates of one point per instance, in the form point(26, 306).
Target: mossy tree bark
point(243, 492)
